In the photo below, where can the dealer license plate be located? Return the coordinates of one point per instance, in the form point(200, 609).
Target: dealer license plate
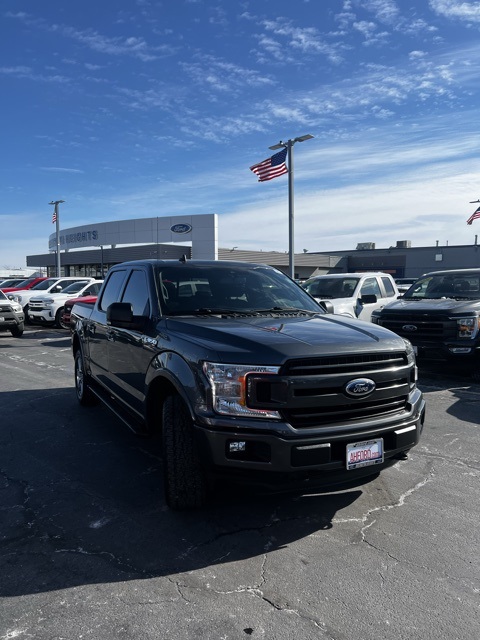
point(364, 454)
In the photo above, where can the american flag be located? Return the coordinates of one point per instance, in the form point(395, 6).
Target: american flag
point(475, 214)
point(54, 217)
point(271, 167)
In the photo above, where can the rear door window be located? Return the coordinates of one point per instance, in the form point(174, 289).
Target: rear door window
point(136, 292)
point(112, 290)
point(387, 283)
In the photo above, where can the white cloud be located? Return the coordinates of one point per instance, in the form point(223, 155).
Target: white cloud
point(465, 11)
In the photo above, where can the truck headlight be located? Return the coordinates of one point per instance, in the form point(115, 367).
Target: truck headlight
point(229, 386)
point(468, 327)
point(412, 361)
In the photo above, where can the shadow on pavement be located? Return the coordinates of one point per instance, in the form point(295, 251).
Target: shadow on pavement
point(82, 503)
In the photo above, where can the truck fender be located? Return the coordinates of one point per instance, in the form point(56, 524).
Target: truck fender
point(174, 370)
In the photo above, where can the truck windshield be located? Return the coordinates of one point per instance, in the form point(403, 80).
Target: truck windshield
point(459, 286)
point(189, 289)
point(327, 288)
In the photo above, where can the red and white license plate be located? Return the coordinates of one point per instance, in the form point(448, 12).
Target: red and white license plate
point(364, 454)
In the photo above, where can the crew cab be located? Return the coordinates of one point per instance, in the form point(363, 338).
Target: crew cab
point(48, 309)
point(353, 294)
point(246, 378)
point(440, 315)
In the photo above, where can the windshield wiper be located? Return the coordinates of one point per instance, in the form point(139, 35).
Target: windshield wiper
point(287, 310)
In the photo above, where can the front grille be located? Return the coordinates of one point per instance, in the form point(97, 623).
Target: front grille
point(353, 364)
point(36, 306)
point(427, 327)
point(5, 308)
point(312, 392)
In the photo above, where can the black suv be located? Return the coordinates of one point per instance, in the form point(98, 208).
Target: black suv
point(440, 315)
point(11, 316)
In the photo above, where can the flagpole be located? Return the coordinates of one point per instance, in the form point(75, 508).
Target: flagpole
point(291, 223)
point(57, 234)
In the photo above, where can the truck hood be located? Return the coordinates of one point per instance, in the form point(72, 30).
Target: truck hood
point(275, 338)
point(432, 307)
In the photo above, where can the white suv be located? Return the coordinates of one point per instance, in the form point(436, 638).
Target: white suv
point(48, 309)
point(353, 294)
point(50, 285)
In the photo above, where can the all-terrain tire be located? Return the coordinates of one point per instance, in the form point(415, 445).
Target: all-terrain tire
point(84, 396)
point(17, 330)
point(184, 478)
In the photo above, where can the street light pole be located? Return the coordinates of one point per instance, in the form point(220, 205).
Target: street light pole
point(57, 229)
point(289, 146)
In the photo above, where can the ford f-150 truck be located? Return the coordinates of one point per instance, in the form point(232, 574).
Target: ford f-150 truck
point(440, 315)
point(242, 373)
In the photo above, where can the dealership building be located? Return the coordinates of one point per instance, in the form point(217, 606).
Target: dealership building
point(89, 250)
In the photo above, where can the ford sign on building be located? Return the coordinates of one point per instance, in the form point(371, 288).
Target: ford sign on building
point(181, 228)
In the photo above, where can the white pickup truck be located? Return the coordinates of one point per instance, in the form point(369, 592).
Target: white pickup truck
point(354, 294)
point(48, 309)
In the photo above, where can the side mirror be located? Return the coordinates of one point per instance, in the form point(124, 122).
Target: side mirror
point(120, 314)
point(368, 298)
point(326, 305)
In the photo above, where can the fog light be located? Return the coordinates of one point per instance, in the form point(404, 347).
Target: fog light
point(460, 349)
point(237, 446)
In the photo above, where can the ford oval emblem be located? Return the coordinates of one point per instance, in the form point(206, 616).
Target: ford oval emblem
point(409, 327)
point(181, 228)
point(360, 387)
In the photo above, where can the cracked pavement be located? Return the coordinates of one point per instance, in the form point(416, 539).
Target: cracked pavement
point(88, 548)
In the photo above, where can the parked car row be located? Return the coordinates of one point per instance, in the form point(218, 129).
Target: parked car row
point(42, 301)
point(439, 313)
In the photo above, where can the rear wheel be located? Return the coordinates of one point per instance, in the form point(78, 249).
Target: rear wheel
point(184, 478)
point(17, 330)
point(84, 395)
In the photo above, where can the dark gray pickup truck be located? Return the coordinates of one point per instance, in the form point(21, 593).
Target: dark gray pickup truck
point(440, 315)
point(243, 374)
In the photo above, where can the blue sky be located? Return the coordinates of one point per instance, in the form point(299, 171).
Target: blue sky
point(139, 108)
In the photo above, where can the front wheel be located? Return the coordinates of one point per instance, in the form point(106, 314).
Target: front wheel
point(184, 478)
point(25, 313)
point(84, 395)
point(58, 319)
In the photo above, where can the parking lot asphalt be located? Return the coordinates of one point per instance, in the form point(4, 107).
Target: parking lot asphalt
point(88, 548)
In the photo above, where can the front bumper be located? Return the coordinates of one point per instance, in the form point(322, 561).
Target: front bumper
point(456, 349)
point(44, 316)
point(9, 320)
point(323, 454)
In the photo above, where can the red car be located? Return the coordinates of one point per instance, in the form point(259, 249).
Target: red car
point(65, 320)
point(24, 284)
